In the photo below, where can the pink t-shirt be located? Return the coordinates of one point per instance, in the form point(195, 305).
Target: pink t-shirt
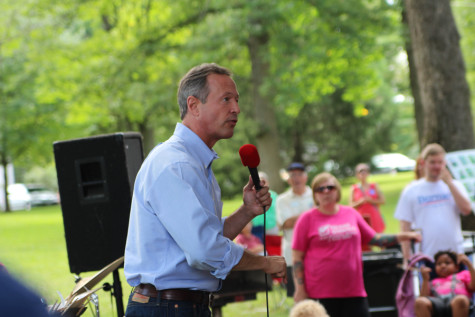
point(443, 285)
point(333, 265)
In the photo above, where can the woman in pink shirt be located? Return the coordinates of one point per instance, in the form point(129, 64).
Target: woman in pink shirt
point(327, 253)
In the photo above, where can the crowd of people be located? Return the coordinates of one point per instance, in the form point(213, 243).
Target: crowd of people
point(327, 251)
point(322, 239)
point(327, 239)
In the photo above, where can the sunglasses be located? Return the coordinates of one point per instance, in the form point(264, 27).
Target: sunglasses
point(363, 170)
point(322, 189)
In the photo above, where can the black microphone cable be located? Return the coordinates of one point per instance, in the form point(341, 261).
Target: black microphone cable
point(265, 254)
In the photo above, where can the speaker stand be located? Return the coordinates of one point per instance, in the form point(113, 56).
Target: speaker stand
point(117, 293)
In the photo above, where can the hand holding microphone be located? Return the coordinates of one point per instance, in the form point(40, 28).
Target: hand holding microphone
point(250, 158)
point(274, 265)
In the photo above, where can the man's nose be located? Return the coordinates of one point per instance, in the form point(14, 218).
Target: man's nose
point(235, 108)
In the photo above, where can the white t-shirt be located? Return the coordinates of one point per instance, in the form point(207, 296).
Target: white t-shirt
point(430, 207)
point(289, 205)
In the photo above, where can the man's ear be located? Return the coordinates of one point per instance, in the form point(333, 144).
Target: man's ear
point(192, 103)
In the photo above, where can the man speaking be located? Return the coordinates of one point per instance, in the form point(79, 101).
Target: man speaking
point(178, 247)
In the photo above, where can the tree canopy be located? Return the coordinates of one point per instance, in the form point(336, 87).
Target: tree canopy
point(318, 79)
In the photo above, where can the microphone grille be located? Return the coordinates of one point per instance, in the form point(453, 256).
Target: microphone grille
point(249, 156)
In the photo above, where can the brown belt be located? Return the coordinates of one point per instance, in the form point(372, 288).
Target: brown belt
point(179, 294)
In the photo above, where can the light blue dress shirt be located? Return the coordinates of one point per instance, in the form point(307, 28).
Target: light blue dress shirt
point(175, 237)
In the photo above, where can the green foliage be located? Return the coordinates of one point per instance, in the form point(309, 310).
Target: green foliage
point(465, 19)
point(31, 113)
point(42, 175)
point(79, 68)
point(346, 138)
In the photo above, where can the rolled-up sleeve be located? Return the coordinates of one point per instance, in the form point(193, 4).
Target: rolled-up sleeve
point(187, 208)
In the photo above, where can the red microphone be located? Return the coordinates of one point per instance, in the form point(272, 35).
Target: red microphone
point(250, 158)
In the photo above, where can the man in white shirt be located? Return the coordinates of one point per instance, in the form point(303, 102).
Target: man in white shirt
point(433, 205)
point(290, 204)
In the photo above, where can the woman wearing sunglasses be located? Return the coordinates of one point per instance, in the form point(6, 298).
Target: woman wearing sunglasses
point(327, 252)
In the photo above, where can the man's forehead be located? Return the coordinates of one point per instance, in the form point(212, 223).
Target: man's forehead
point(222, 85)
point(221, 80)
point(436, 157)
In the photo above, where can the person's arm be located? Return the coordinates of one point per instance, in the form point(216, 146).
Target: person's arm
point(405, 226)
point(462, 202)
point(387, 240)
point(350, 198)
point(254, 203)
point(425, 285)
point(192, 223)
point(290, 222)
point(462, 258)
point(355, 204)
point(405, 213)
point(298, 270)
point(274, 265)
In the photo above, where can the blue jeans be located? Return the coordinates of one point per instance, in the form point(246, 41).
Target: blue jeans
point(156, 307)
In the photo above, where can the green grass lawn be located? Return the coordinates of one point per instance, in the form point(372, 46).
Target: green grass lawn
point(33, 248)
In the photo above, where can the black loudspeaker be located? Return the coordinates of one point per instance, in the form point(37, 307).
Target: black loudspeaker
point(382, 272)
point(96, 177)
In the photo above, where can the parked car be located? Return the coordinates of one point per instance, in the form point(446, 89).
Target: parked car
point(41, 196)
point(389, 162)
point(18, 197)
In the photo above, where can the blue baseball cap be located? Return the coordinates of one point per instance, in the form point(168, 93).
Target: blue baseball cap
point(296, 166)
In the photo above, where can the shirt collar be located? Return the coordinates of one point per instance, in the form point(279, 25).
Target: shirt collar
point(196, 145)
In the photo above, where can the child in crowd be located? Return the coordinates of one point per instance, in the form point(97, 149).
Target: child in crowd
point(250, 241)
point(308, 308)
point(450, 293)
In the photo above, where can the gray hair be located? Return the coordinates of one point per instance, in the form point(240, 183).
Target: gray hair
point(195, 83)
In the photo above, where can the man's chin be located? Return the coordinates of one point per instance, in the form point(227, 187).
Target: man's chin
point(228, 134)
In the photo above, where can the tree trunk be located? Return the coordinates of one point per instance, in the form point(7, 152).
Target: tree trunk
point(5, 181)
point(416, 94)
point(264, 113)
point(438, 60)
point(3, 145)
point(148, 135)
